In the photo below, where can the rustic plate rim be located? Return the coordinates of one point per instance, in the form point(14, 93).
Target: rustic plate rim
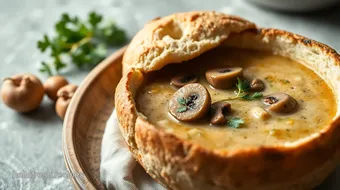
point(70, 153)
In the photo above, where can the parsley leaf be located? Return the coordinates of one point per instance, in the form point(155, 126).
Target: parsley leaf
point(235, 122)
point(243, 88)
point(78, 42)
point(242, 85)
point(94, 19)
point(111, 34)
point(45, 68)
point(182, 109)
point(44, 43)
point(255, 96)
point(183, 105)
point(181, 101)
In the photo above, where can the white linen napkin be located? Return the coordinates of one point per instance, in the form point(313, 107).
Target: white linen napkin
point(118, 169)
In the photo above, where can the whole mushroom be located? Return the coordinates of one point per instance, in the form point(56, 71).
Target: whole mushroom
point(64, 95)
point(280, 103)
point(257, 85)
point(219, 111)
point(53, 84)
point(22, 92)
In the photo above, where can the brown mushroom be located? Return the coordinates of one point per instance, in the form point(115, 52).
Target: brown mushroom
point(219, 110)
point(223, 77)
point(257, 85)
point(281, 103)
point(182, 80)
point(64, 95)
point(22, 92)
point(53, 84)
point(190, 102)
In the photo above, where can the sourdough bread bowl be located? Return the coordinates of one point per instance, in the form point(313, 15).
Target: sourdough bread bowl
point(178, 163)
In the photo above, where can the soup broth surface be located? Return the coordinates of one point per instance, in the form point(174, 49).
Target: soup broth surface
point(316, 102)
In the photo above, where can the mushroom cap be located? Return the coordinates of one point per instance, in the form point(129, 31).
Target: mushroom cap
point(64, 94)
point(182, 80)
point(67, 90)
point(219, 110)
point(196, 102)
point(280, 102)
point(223, 77)
point(61, 106)
point(53, 84)
point(257, 85)
point(22, 92)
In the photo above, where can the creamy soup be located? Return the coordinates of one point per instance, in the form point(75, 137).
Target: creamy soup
point(316, 102)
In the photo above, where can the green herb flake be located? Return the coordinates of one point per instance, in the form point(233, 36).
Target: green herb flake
point(235, 122)
point(242, 85)
point(243, 88)
point(45, 68)
point(181, 101)
point(182, 109)
point(183, 105)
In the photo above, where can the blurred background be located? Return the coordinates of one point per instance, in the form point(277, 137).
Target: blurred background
point(32, 142)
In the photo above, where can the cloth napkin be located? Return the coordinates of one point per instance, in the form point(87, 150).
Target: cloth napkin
point(118, 169)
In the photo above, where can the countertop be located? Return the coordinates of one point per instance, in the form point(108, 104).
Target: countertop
point(32, 142)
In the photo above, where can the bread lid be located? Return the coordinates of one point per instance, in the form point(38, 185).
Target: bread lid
point(180, 37)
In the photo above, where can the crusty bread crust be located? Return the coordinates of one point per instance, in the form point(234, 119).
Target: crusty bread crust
point(180, 164)
point(180, 37)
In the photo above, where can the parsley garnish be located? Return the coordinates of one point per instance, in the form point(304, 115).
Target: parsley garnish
point(243, 88)
point(182, 109)
point(255, 96)
point(83, 43)
point(183, 105)
point(235, 122)
point(181, 101)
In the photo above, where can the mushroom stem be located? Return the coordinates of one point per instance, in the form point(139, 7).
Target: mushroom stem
point(14, 80)
point(26, 80)
point(7, 78)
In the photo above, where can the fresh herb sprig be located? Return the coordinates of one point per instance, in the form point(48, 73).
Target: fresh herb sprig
point(235, 122)
point(243, 88)
point(82, 43)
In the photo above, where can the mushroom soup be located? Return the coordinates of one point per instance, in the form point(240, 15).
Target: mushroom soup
point(231, 98)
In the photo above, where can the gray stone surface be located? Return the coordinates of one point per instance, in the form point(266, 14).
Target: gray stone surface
point(32, 142)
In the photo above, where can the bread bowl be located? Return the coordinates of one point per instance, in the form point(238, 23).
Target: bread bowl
point(179, 163)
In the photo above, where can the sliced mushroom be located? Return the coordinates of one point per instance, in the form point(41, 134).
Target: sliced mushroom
point(256, 85)
point(189, 103)
point(223, 77)
point(182, 80)
point(219, 110)
point(281, 103)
